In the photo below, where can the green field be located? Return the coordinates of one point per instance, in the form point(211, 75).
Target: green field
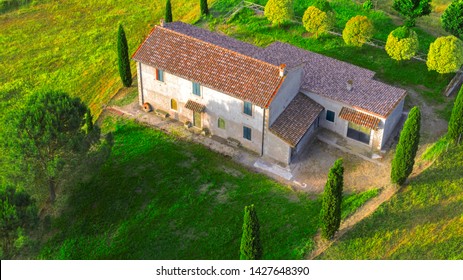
point(70, 45)
point(158, 197)
point(423, 221)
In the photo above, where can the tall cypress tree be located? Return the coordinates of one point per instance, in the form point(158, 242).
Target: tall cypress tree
point(404, 158)
point(251, 248)
point(332, 198)
point(456, 120)
point(203, 7)
point(123, 58)
point(168, 16)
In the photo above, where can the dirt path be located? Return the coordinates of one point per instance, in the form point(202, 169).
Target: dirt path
point(364, 211)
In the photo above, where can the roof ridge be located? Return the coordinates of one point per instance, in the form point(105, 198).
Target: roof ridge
point(217, 46)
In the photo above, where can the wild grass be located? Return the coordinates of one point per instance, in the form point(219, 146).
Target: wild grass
point(423, 221)
point(158, 197)
point(70, 45)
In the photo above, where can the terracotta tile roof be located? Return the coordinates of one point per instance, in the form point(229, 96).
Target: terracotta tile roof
point(328, 77)
point(213, 66)
point(195, 106)
point(221, 40)
point(296, 119)
point(359, 118)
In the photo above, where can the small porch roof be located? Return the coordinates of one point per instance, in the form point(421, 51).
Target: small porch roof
point(296, 119)
point(359, 118)
point(195, 106)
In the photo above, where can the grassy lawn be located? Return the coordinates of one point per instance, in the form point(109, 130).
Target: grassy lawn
point(158, 197)
point(424, 220)
point(70, 45)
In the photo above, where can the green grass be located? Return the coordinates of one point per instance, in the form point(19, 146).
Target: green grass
point(125, 97)
point(158, 197)
point(423, 221)
point(70, 45)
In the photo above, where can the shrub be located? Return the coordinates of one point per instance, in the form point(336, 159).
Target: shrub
point(123, 58)
point(445, 55)
point(404, 158)
point(332, 199)
point(358, 30)
point(452, 18)
point(251, 248)
point(323, 5)
point(279, 11)
point(367, 5)
point(168, 16)
point(412, 9)
point(203, 7)
point(402, 43)
point(456, 119)
point(316, 21)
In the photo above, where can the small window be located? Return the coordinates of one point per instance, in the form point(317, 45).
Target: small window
point(247, 109)
point(160, 75)
point(221, 123)
point(330, 116)
point(196, 89)
point(246, 132)
point(173, 104)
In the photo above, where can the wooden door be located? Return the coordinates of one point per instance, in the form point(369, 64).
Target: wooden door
point(197, 119)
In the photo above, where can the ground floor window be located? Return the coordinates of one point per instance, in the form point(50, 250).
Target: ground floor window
point(221, 123)
point(173, 104)
point(246, 132)
point(329, 116)
point(359, 133)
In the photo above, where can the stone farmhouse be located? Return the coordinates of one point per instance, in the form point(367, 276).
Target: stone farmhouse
point(270, 100)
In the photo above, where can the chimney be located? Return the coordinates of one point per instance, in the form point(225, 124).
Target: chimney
point(162, 23)
point(349, 85)
point(282, 69)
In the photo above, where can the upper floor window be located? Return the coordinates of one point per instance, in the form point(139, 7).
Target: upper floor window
point(247, 109)
point(247, 133)
point(221, 123)
point(329, 116)
point(160, 75)
point(173, 104)
point(196, 89)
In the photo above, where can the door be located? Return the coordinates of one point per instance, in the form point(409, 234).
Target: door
point(197, 119)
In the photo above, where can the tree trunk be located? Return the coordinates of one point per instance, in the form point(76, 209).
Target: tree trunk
point(51, 185)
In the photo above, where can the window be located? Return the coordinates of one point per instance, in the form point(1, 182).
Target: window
point(196, 89)
point(359, 133)
point(173, 104)
point(160, 75)
point(247, 109)
point(221, 123)
point(246, 133)
point(329, 116)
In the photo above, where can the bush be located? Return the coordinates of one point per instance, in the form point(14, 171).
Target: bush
point(251, 248)
point(323, 5)
point(279, 11)
point(332, 199)
point(316, 21)
point(367, 5)
point(404, 158)
point(456, 120)
point(358, 31)
point(203, 7)
point(445, 55)
point(452, 18)
point(412, 9)
point(402, 44)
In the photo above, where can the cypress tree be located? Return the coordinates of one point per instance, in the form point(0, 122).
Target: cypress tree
point(456, 120)
point(332, 198)
point(123, 58)
point(404, 158)
point(88, 121)
point(203, 7)
point(251, 248)
point(168, 16)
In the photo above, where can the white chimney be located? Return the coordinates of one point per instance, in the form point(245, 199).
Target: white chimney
point(349, 85)
point(162, 22)
point(282, 69)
